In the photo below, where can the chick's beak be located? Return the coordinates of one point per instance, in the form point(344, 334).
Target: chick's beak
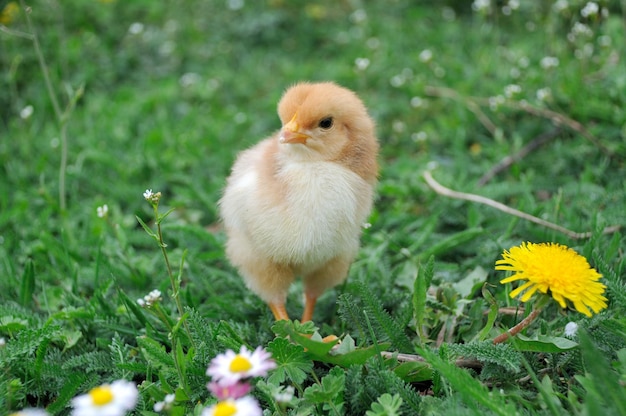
point(291, 134)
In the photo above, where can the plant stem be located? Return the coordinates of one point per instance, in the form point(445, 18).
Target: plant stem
point(60, 116)
point(175, 284)
point(517, 328)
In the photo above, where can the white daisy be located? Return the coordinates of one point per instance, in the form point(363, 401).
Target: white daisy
point(30, 412)
point(228, 368)
point(246, 406)
point(112, 399)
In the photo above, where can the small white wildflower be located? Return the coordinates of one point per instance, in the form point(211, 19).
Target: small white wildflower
point(165, 404)
point(102, 211)
point(398, 126)
point(571, 329)
point(235, 4)
point(372, 43)
point(152, 297)
point(580, 29)
point(189, 79)
point(544, 94)
point(358, 16)
point(604, 41)
point(448, 14)
point(523, 62)
point(585, 52)
point(27, 112)
point(417, 102)
point(30, 412)
point(240, 118)
point(496, 102)
point(167, 48)
point(426, 55)
point(135, 28)
point(152, 197)
point(560, 6)
point(481, 5)
point(590, 9)
point(514, 4)
point(366, 225)
point(3, 342)
point(548, 62)
point(512, 90)
point(361, 63)
point(285, 395)
point(397, 81)
point(420, 136)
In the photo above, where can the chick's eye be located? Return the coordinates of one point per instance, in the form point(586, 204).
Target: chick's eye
point(326, 123)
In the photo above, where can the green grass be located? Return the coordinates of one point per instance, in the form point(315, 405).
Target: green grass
point(168, 104)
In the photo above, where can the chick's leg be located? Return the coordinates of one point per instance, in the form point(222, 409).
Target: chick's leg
point(309, 307)
point(330, 274)
point(279, 311)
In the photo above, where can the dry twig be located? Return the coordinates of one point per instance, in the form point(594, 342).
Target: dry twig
point(442, 190)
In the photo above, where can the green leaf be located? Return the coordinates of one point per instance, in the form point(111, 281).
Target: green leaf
point(27, 287)
point(491, 317)
point(155, 353)
point(469, 389)
point(446, 244)
point(602, 378)
point(414, 371)
point(329, 391)
point(420, 290)
point(291, 361)
point(147, 229)
point(543, 343)
point(386, 405)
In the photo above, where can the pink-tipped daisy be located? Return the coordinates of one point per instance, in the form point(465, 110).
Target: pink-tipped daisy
point(229, 368)
point(229, 391)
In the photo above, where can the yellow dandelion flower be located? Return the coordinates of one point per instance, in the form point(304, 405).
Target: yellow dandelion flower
point(9, 13)
point(556, 270)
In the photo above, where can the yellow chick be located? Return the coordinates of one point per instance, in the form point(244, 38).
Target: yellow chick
point(294, 203)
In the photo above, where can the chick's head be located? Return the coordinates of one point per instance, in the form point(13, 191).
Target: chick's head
point(323, 121)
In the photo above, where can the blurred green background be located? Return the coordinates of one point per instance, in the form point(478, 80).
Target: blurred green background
point(174, 89)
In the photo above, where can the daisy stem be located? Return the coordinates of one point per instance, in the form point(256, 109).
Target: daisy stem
point(517, 328)
point(173, 281)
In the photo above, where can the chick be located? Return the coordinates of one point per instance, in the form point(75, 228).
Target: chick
point(294, 203)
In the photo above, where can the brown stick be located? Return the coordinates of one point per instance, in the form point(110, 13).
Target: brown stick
point(411, 358)
point(442, 190)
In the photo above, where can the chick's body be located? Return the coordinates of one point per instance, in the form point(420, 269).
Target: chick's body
point(294, 203)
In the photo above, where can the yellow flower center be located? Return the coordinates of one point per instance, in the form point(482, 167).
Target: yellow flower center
point(225, 409)
point(240, 364)
point(101, 395)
